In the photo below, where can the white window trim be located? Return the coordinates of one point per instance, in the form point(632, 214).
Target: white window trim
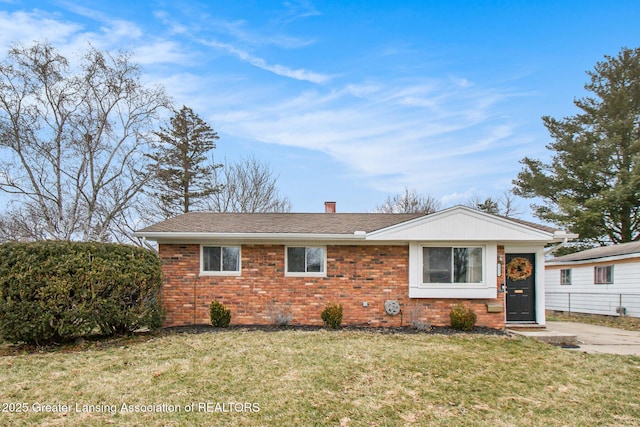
point(305, 274)
point(485, 289)
point(570, 277)
point(595, 275)
point(204, 272)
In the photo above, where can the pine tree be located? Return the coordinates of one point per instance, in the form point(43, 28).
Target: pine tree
point(182, 170)
point(489, 206)
point(592, 184)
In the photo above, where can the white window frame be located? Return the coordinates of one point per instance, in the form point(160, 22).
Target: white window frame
point(562, 271)
point(595, 274)
point(322, 273)
point(204, 272)
point(487, 289)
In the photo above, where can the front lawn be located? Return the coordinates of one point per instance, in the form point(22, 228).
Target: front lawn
point(307, 378)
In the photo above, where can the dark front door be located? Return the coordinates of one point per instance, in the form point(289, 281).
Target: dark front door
point(520, 272)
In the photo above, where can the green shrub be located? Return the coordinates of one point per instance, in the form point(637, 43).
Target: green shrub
point(55, 291)
point(332, 315)
point(463, 319)
point(220, 315)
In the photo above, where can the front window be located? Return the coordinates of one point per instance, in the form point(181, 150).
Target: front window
point(221, 259)
point(603, 275)
point(451, 265)
point(565, 276)
point(306, 260)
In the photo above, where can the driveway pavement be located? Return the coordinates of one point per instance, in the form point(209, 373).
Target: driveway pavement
point(599, 339)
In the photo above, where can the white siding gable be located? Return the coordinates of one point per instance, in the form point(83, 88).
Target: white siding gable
point(461, 224)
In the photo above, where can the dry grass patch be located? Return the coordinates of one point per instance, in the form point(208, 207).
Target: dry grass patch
point(620, 322)
point(347, 378)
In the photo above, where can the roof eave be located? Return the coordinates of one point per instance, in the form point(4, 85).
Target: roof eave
point(561, 235)
point(535, 234)
point(197, 236)
point(611, 258)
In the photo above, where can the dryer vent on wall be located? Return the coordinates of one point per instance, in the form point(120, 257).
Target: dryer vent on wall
point(392, 307)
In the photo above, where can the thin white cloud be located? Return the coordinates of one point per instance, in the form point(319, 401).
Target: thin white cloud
point(281, 70)
point(380, 137)
point(174, 26)
point(71, 38)
point(118, 29)
point(26, 27)
point(457, 198)
point(240, 31)
point(112, 28)
point(162, 51)
point(428, 134)
point(298, 9)
point(242, 35)
point(362, 90)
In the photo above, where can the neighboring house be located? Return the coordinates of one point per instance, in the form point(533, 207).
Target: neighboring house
point(603, 280)
point(385, 269)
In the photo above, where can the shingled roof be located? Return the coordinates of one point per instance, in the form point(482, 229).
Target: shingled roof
point(540, 227)
point(291, 223)
point(601, 252)
point(298, 223)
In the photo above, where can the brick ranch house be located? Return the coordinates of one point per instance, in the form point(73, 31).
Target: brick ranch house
point(385, 269)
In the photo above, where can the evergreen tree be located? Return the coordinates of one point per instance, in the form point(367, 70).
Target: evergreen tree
point(182, 170)
point(592, 184)
point(489, 206)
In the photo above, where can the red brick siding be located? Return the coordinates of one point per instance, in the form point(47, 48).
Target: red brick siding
point(355, 274)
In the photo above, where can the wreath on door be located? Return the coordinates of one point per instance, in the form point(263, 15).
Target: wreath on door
point(519, 269)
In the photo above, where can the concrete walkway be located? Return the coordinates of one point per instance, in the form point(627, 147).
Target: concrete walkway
point(599, 339)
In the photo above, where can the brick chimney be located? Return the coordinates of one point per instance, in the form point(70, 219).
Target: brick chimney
point(329, 207)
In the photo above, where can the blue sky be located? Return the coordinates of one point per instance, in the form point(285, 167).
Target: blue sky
point(352, 101)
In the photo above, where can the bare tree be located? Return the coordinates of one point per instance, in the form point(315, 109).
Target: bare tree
point(72, 142)
point(409, 202)
point(22, 225)
point(508, 205)
point(247, 186)
point(474, 201)
point(505, 205)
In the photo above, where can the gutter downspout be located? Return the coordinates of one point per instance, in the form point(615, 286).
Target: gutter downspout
point(554, 248)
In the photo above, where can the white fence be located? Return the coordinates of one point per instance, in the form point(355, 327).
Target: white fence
point(610, 304)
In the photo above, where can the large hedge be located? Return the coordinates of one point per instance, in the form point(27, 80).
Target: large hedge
point(55, 291)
